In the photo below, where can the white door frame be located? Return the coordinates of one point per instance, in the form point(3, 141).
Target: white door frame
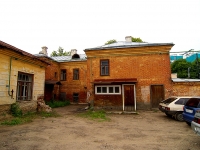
point(123, 94)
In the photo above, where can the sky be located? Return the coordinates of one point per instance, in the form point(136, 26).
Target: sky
point(80, 24)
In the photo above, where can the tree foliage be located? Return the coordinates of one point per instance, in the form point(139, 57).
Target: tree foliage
point(136, 39)
point(110, 42)
point(60, 52)
point(185, 69)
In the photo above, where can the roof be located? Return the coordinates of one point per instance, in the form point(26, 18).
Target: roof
point(83, 57)
point(15, 49)
point(43, 55)
point(185, 80)
point(124, 44)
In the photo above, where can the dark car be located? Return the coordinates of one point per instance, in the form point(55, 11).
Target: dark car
point(190, 108)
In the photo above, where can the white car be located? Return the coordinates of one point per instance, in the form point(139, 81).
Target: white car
point(173, 106)
point(195, 124)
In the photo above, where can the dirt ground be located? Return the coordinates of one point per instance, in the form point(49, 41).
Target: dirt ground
point(149, 130)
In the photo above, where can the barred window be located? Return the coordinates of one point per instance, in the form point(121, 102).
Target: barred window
point(24, 86)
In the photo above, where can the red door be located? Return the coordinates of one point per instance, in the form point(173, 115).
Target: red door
point(128, 95)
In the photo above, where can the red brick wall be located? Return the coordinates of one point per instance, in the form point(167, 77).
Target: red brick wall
point(71, 86)
point(147, 68)
point(186, 89)
point(50, 75)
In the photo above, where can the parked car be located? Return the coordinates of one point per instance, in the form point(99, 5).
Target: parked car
point(195, 125)
point(173, 106)
point(190, 108)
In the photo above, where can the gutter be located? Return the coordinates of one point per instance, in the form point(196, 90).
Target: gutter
point(10, 94)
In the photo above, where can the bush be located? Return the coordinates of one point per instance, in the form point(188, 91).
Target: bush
point(15, 110)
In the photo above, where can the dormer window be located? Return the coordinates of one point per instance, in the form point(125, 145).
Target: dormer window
point(75, 56)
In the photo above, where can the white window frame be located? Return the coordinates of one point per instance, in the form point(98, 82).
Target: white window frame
point(107, 86)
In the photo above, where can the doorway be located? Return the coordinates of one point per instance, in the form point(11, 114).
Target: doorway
point(157, 95)
point(129, 101)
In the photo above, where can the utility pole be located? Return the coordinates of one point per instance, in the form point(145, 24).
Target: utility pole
point(188, 72)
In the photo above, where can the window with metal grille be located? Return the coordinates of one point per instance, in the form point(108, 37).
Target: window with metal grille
point(63, 74)
point(104, 67)
point(75, 97)
point(75, 74)
point(24, 86)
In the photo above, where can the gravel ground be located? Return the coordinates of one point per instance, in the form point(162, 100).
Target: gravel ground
point(151, 130)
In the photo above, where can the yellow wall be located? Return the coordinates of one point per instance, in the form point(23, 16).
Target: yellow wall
point(16, 66)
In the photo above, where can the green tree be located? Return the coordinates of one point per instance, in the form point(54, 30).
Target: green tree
point(60, 52)
point(136, 39)
point(195, 69)
point(180, 67)
point(110, 42)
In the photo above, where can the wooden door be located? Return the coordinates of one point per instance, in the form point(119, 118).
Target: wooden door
point(157, 95)
point(129, 95)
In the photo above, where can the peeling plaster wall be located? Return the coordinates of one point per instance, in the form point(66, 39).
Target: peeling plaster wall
point(186, 89)
point(19, 66)
point(145, 94)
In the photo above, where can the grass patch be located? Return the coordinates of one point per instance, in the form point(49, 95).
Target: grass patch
point(28, 117)
point(99, 115)
point(55, 104)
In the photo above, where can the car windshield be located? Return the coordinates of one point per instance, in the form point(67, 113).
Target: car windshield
point(169, 100)
point(193, 102)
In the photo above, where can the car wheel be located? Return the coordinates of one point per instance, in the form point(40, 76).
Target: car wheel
point(179, 116)
point(188, 123)
point(168, 115)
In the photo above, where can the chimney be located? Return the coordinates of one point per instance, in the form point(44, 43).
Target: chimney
point(128, 38)
point(73, 51)
point(44, 50)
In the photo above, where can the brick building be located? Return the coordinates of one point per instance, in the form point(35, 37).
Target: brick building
point(127, 75)
point(52, 79)
point(123, 75)
point(65, 77)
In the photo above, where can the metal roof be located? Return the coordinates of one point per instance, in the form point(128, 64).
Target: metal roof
point(125, 44)
point(185, 80)
point(15, 49)
point(83, 57)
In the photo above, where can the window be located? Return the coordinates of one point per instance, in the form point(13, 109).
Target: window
point(75, 74)
point(182, 101)
point(104, 64)
point(75, 97)
point(24, 86)
point(55, 75)
point(169, 100)
point(108, 89)
point(63, 74)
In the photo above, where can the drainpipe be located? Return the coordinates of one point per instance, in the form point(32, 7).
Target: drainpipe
point(9, 79)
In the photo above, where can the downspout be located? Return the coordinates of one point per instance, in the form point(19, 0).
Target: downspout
point(135, 98)
point(9, 79)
